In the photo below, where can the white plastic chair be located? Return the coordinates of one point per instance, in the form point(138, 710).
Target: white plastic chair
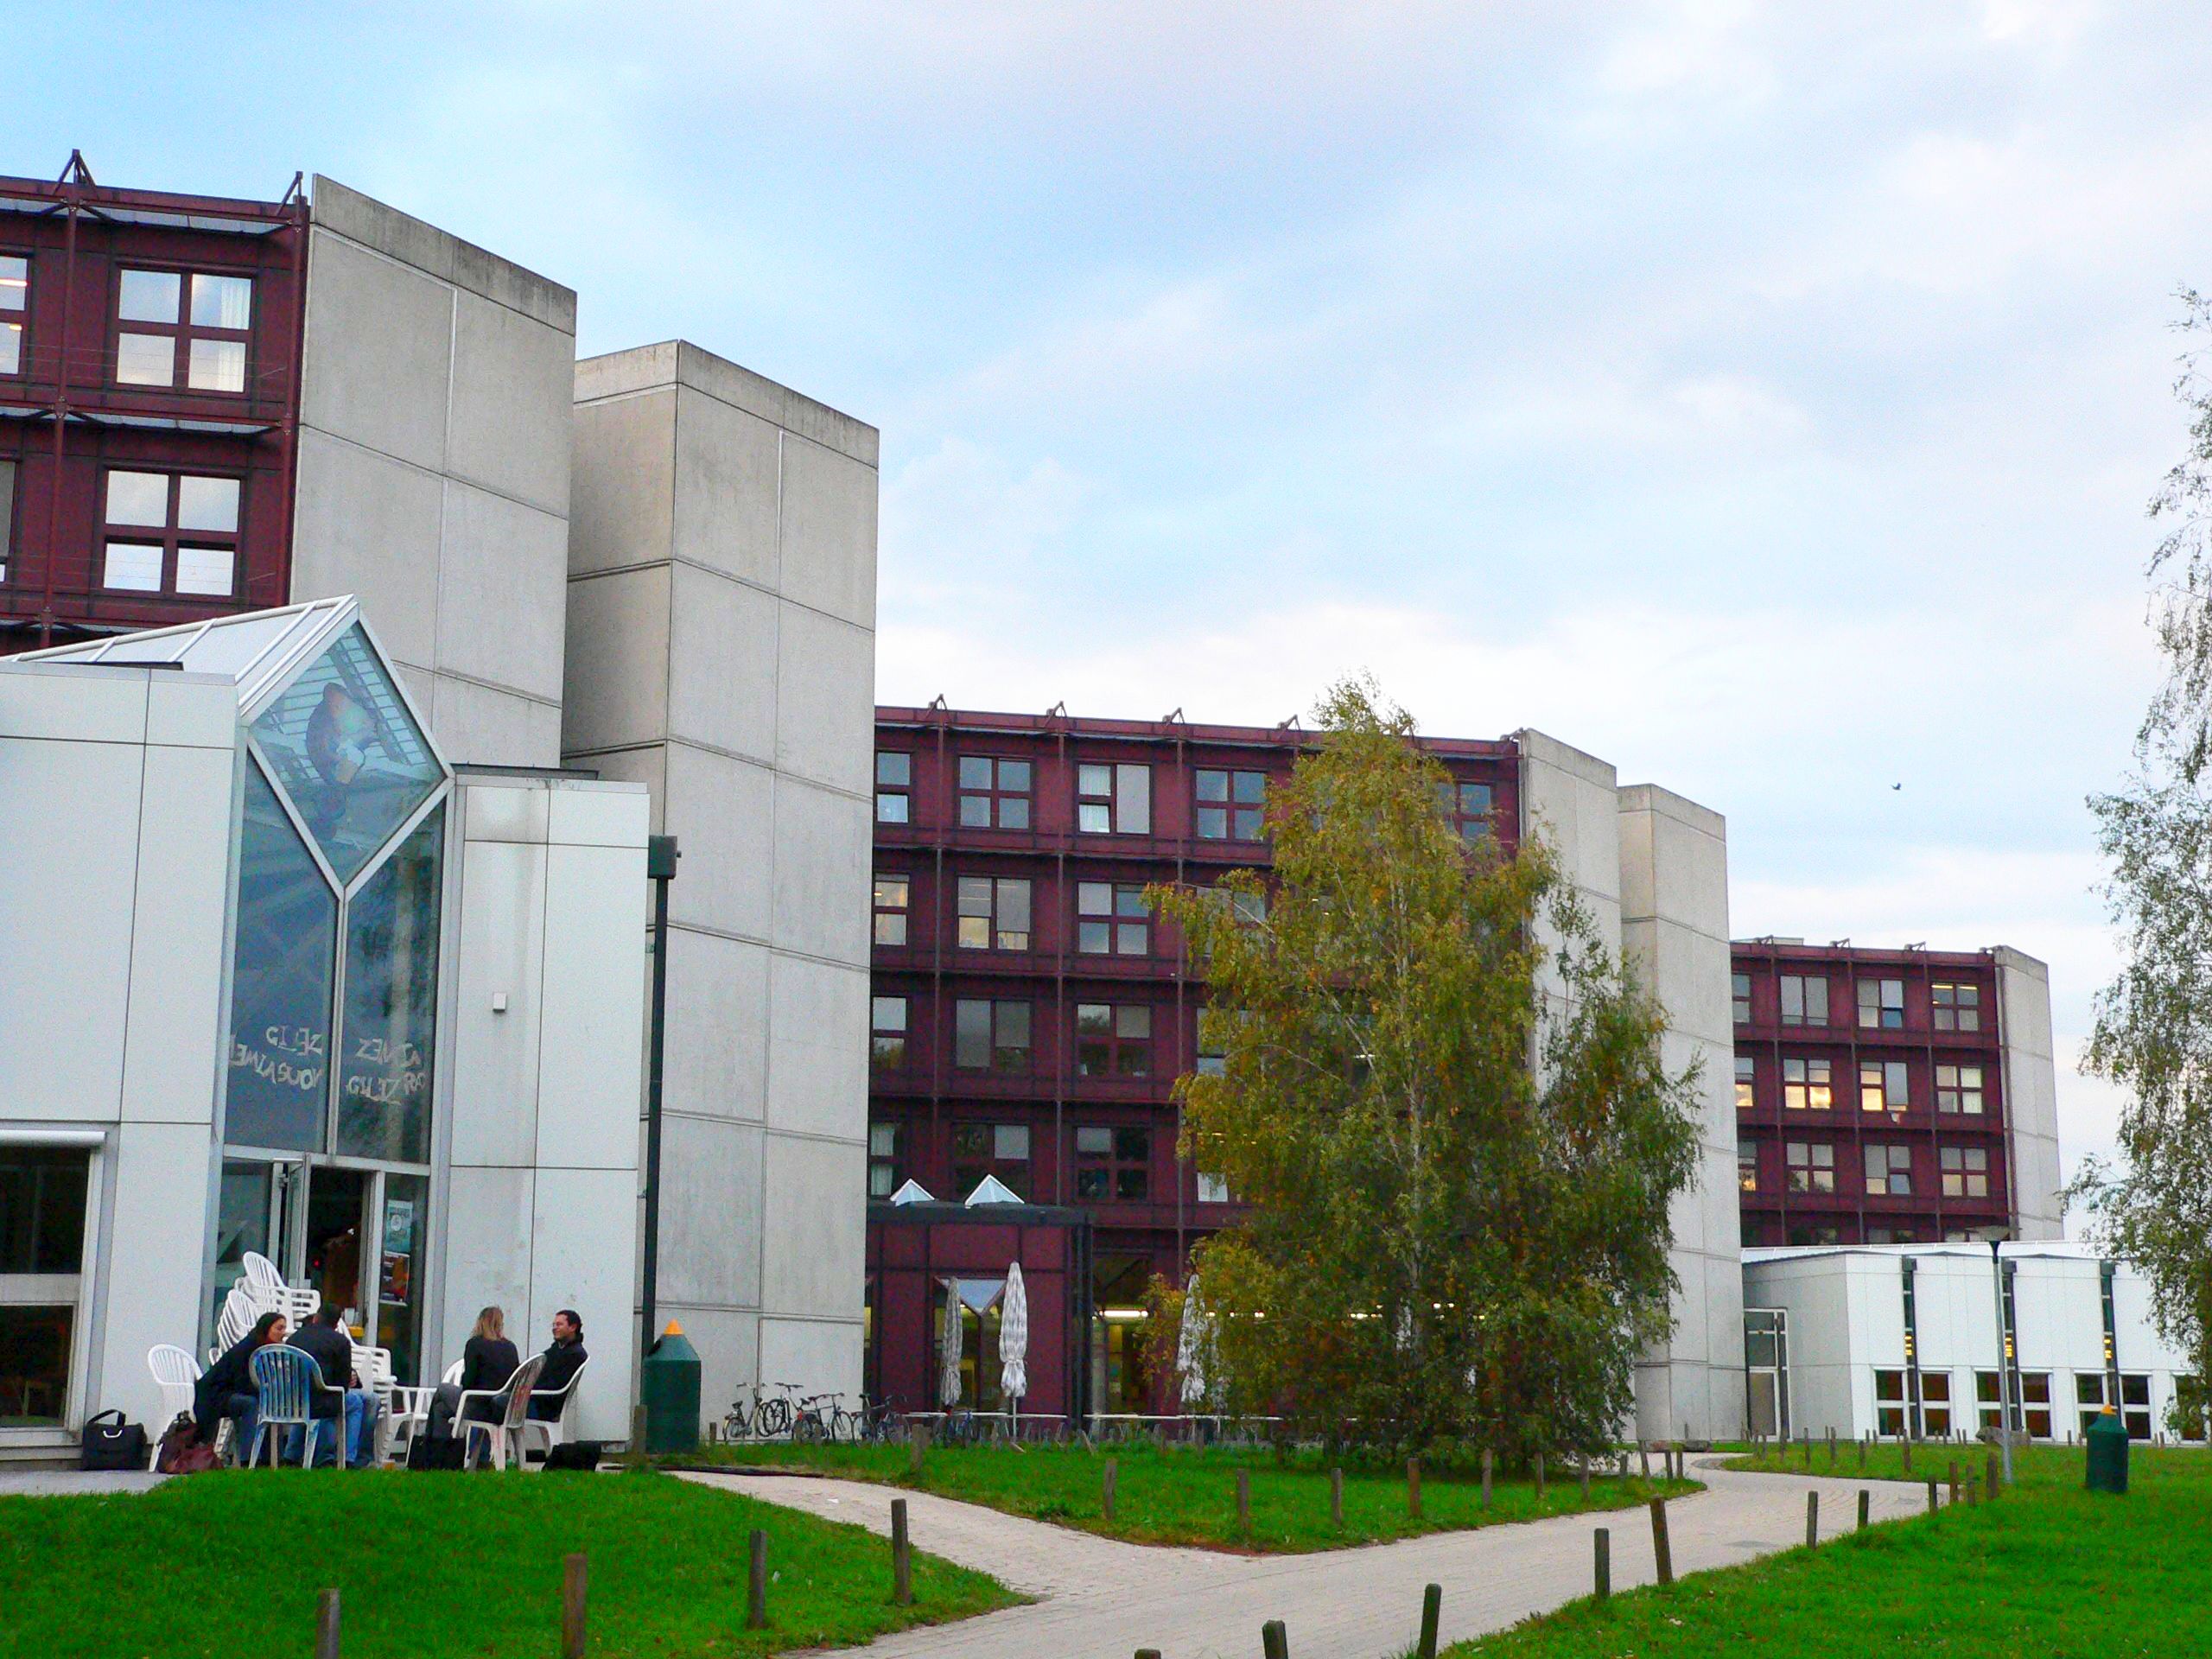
point(504, 1432)
point(554, 1429)
point(373, 1366)
point(284, 1381)
point(234, 1321)
point(260, 1270)
point(174, 1374)
point(410, 1412)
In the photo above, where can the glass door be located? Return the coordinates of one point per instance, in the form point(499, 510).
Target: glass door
point(333, 1252)
point(257, 1211)
point(42, 1200)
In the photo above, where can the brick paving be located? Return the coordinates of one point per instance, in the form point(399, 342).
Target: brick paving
point(1098, 1599)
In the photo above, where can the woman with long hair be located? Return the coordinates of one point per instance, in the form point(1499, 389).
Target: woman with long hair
point(226, 1388)
point(487, 1360)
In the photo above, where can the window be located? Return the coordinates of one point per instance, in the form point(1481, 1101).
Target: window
point(894, 783)
point(1808, 1085)
point(2135, 1404)
point(169, 532)
point(2030, 1410)
point(993, 794)
point(1746, 1083)
point(169, 320)
point(1890, 1236)
point(1881, 1004)
point(1468, 806)
point(883, 1160)
point(1214, 1189)
point(1958, 1088)
point(7, 515)
point(1113, 800)
point(1113, 1039)
point(1889, 1171)
point(888, 1033)
point(994, 913)
point(43, 1197)
point(1230, 804)
point(1956, 1007)
point(1112, 1163)
point(982, 1150)
point(1891, 1407)
point(1814, 1232)
point(1811, 1166)
point(14, 305)
point(1111, 919)
point(990, 1034)
point(1935, 1403)
point(1213, 1042)
point(1804, 1001)
point(1882, 1086)
point(894, 897)
point(1966, 1171)
point(1740, 990)
point(1747, 1166)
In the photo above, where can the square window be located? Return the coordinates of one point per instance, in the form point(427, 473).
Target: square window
point(11, 348)
point(1220, 820)
point(149, 296)
point(145, 360)
point(14, 283)
point(888, 1040)
point(1883, 1086)
point(1739, 989)
point(1746, 1083)
point(1804, 1001)
point(891, 809)
point(203, 570)
point(1881, 1004)
point(1010, 1142)
point(1957, 1090)
point(895, 769)
point(1954, 1007)
point(201, 503)
point(893, 893)
point(216, 365)
point(1808, 1084)
point(1113, 799)
point(138, 498)
point(221, 301)
point(133, 567)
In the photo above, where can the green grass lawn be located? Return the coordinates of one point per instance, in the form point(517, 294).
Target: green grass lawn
point(437, 1567)
point(2048, 1570)
point(1189, 1495)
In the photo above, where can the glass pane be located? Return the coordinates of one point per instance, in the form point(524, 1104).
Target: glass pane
point(1132, 1145)
point(222, 302)
point(976, 812)
point(15, 281)
point(11, 348)
point(280, 989)
point(134, 567)
point(1010, 1142)
point(1213, 823)
point(1093, 937)
point(391, 1002)
point(399, 1291)
point(203, 569)
point(201, 503)
point(241, 1224)
point(1133, 800)
point(1094, 1017)
point(971, 1041)
point(895, 767)
point(141, 499)
point(1013, 777)
point(347, 753)
point(145, 360)
point(1014, 910)
point(891, 892)
point(1096, 781)
point(1213, 785)
point(891, 809)
point(1133, 1019)
point(975, 771)
point(1251, 786)
point(149, 296)
point(890, 1013)
point(41, 1210)
point(1014, 813)
point(35, 1380)
point(217, 365)
point(1094, 1142)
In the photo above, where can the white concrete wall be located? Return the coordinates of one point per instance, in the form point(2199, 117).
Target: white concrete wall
point(434, 446)
point(540, 1205)
point(1673, 907)
point(722, 650)
point(2030, 1094)
point(116, 790)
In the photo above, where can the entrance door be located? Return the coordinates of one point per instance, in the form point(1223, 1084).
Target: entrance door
point(1766, 1371)
point(256, 1211)
point(335, 1254)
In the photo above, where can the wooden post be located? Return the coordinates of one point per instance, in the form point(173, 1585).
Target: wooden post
point(1931, 1494)
point(1643, 1451)
point(1336, 1497)
point(756, 1584)
point(1865, 1499)
point(1994, 1473)
point(1862, 1454)
point(1603, 1566)
point(1905, 1446)
point(1582, 1471)
point(1274, 1641)
point(919, 1442)
point(1413, 1488)
point(575, 1589)
point(1664, 1556)
point(1431, 1613)
point(902, 1556)
point(1805, 1444)
point(1244, 1503)
point(1107, 1480)
point(1812, 1518)
point(1539, 1479)
point(325, 1625)
point(1487, 1458)
point(1954, 1480)
point(1831, 1448)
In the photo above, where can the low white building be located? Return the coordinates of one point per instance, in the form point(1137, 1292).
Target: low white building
point(1903, 1339)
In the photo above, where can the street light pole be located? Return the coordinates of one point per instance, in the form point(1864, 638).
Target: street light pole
point(661, 854)
point(2004, 1353)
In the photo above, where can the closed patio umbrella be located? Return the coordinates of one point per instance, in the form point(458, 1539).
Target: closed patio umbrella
point(1192, 1343)
point(1013, 1339)
point(949, 1344)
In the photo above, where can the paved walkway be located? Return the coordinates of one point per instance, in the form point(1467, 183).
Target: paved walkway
point(1099, 1599)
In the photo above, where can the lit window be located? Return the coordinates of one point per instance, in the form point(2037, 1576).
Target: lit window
point(1113, 800)
point(994, 913)
point(883, 1140)
point(993, 794)
point(1111, 919)
point(1229, 806)
point(1214, 1189)
point(1811, 1166)
point(887, 1039)
point(1112, 1163)
point(1889, 1171)
point(1881, 1004)
point(1883, 1086)
point(183, 527)
point(1966, 1171)
point(1804, 1001)
point(894, 783)
point(1808, 1085)
point(986, 1150)
point(7, 515)
point(893, 899)
point(14, 304)
point(990, 1034)
point(1113, 1039)
point(1747, 1166)
point(1957, 1007)
point(1746, 1083)
point(1739, 989)
point(1958, 1088)
point(159, 332)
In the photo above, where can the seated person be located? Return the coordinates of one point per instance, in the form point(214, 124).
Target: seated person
point(562, 1361)
point(487, 1360)
point(226, 1389)
point(332, 1350)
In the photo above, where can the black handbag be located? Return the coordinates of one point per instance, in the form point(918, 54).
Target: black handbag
point(436, 1451)
point(111, 1440)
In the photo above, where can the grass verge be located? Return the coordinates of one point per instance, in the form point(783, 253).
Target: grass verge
point(1189, 1495)
point(433, 1567)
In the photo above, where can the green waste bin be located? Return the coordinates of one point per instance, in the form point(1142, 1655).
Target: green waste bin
point(671, 1392)
point(2107, 1443)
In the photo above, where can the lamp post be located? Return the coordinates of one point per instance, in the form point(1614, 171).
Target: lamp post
point(661, 854)
point(1996, 1237)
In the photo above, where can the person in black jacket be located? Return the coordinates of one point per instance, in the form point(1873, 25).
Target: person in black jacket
point(562, 1361)
point(487, 1360)
point(341, 1393)
point(226, 1388)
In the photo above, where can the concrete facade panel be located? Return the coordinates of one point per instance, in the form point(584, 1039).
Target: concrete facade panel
point(504, 582)
point(585, 1231)
point(825, 732)
point(711, 1215)
point(716, 1059)
point(70, 704)
point(481, 725)
point(722, 666)
point(617, 669)
point(727, 467)
point(722, 810)
point(513, 378)
point(597, 817)
point(595, 968)
point(622, 498)
point(376, 364)
point(824, 855)
point(500, 955)
point(370, 526)
point(827, 1349)
point(818, 1075)
point(151, 1273)
point(816, 1265)
point(828, 536)
point(489, 1227)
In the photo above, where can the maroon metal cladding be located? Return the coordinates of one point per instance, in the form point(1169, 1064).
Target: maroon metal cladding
point(1081, 1117)
point(1911, 1146)
point(67, 419)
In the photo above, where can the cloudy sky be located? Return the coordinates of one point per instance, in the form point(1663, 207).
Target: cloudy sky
point(1764, 397)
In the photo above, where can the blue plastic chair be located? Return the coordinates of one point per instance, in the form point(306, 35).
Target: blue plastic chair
point(285, 1380)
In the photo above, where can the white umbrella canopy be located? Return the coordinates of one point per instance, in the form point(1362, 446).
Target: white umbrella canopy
point(949, 1342)
point(1013, 1336)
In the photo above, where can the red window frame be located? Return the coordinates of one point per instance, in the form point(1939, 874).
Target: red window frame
point(182, 332)
point(1121, 928)
point(1113, 1039)
point(980, 1147)
point(1121, 1172)
point(894, 903)
point(891, 1030)
point(1228, 804)
point(170, 538)
point(996, 792)
point(15, 320)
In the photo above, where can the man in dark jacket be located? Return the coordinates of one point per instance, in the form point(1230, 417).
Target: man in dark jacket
point(332, 1350)
point(562, 1361)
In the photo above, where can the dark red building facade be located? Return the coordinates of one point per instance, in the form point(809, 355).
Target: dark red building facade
point(1870, 1095)
point(150, 351)
point(1031, 1018)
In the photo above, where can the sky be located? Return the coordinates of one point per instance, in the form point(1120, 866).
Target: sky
point(1763, 397)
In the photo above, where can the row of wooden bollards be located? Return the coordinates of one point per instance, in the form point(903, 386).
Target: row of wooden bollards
point(1805, 1443)
point(575, 1574)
